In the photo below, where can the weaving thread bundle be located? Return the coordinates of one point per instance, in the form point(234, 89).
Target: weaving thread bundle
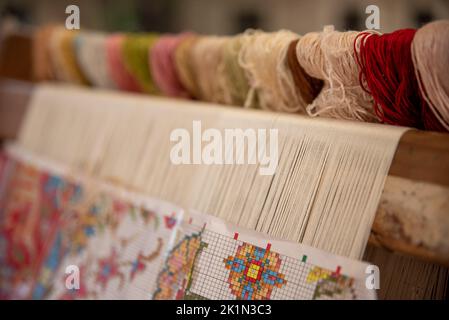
point(136, 49)
point(236, 84)
point(184, 67)
point(42, 63)
point(92, 58)
point(430, 48)
point(120, 75)
point(324, 194)
point(62, 48)
point(387, 73)
point(308, 86)
point(263, 56)
point(364, 76)
point(329, 55)
point(207, 61)
point(162, 63)
point(54, 47)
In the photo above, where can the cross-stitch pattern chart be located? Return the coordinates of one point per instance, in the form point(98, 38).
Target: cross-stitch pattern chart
point(220, 266)
point(115, 239)
point(129, 246)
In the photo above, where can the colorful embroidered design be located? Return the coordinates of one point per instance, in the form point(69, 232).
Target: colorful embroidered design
point(254, 272)
point(109, 268)
point(139, 264)
point(84, 225)
point(335, 287)
point(48, 222)
point(172, 280)
point(317, 274)
point(170, 222)
point(33, 214)
point(150, 215)
point(330, 285)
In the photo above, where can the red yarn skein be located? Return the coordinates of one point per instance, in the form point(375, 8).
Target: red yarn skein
point(387, 73)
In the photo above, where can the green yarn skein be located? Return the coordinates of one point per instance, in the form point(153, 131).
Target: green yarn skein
point(236, 79)
point(135, 51)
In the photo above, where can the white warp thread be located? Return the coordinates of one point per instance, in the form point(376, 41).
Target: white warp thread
point(325, 191)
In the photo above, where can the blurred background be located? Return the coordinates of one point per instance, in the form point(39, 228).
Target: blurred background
point(225, 16)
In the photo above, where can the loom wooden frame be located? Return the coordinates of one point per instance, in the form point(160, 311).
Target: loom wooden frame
point(421, 157)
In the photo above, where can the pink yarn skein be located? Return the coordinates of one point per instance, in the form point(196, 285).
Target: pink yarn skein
point(163, 68)
point(122, 78)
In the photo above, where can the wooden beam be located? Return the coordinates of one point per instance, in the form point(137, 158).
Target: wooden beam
point(413, 218)
point(16, 56)
point(422, 156)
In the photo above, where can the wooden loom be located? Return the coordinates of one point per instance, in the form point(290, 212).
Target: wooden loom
point(413, 214)
point(420, 170)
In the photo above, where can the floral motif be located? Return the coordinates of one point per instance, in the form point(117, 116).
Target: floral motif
point(176, 272)
point(109, 268)
point(330, 285)
point(254, 272)
point(170, 222)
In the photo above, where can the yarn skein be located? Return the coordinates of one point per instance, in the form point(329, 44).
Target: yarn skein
point(396, 78)
point(42, 59)
point(263, 56)
point(184, 65)
point(430, 48)
point(308, 87)
point(207, 61)
point(329, 55)
point(92, 58)
point(119, 74)
point(65, 65)
point(236, 86)
point(162, 63)
point(387, 73)
point(135, 51)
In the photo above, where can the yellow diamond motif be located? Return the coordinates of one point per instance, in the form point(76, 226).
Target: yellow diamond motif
point(253, 271)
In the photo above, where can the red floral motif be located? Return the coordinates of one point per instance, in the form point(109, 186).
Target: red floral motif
point(170, 221)
point(137, 265)
point(108, 269)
